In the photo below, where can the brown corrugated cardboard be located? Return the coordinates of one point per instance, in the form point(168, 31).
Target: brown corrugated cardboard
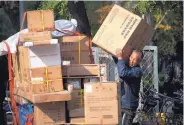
point(40, 20)
point(49, 113)
point(122, 29)
point(75, 49)
point(81, 70)
point(101, 104)
point(41, 64)
point(76, 83)
point(71, 43)
point(35, 36)
point(73, 57)
point(44, 80)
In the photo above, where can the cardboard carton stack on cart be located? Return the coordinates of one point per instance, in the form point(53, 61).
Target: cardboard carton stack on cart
point(56, 75)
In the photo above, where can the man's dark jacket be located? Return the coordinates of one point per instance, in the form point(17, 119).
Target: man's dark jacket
point(130, 78)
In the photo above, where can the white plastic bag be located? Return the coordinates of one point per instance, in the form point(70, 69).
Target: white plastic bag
point(64, 25)
point(12, 42)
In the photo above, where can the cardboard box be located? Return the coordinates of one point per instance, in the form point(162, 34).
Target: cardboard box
point(72, 57)
point(49, 113)
point(70, 47)
point(81, 70)
point(35, 36)
point(40, 20)
point(71, 43)
point(76, 83)
point(34, 63)
point(101, 103)
point(122, 29)
point(47, 79)
point(43, 80)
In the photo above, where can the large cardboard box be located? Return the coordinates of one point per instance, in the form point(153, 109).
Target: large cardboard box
point(122, 29)
point(40, 68)
point(76, 104)
point(40, 20)
point(49, 113)
point(101, 103)
point(75, 49)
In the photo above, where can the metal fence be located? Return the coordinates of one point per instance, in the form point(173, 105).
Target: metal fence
point(149, 65)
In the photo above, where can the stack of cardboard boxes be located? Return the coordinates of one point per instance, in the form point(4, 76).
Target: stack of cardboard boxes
point(46, 69)
point(57, 77)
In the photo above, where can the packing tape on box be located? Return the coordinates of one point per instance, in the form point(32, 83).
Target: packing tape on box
point(42, 20)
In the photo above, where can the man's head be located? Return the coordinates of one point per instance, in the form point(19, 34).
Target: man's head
point(135, 58)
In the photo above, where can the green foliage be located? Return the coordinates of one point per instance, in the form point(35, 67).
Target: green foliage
point(167, 18)
point(59, 7)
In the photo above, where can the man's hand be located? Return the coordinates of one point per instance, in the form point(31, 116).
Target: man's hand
point(119, 54)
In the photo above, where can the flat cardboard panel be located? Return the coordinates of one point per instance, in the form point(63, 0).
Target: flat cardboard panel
point(35, 36)
point(40, 20)
point(45, 55)
point(101, 103)
point(71, 43)
point(81, 70)
point(73, 57)
point(118, 29)
point(49, 113)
